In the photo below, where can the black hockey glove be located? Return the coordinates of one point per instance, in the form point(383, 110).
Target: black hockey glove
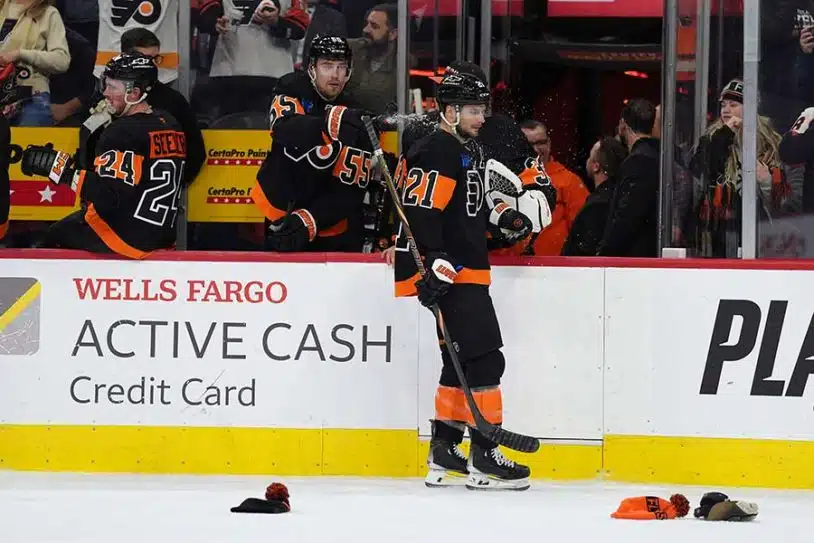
point(440, 275)
point(292, 233)
point(513, 224)
point(45, 161)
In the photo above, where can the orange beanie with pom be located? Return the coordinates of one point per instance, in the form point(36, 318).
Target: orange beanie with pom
point(652, 508)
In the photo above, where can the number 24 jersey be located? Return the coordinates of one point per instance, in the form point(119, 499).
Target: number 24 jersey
point(131, 195)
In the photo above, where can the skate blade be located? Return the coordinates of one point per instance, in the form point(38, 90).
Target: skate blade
point(439, 478)
point(482, 481)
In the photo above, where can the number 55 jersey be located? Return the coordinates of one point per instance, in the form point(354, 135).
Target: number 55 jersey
point(319, 165)
point(130, 198)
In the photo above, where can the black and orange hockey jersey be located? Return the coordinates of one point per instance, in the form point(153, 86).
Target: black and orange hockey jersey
point(441, 185)
point(131, 196)
point(5, 194)
point(311, 169)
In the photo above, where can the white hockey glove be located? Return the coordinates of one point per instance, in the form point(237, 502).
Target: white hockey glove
point(504, 187)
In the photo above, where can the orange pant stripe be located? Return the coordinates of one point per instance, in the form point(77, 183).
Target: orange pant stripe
point(450, 404)
point(490, 403)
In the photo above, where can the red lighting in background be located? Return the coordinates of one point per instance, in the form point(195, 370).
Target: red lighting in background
point(640, 75)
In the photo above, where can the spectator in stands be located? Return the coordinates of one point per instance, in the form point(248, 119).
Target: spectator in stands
point(571, 193)
point(32, 36)
point(253, 50)
point(786, 64)
point(164, 97)
point(603, 168)
point(327, 19)
point(373, 81)
point(716, 160)
point(81, 16)
point(632, 228)
point(71, 92)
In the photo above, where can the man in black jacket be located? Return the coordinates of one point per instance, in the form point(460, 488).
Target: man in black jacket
point(633, 219)
point(164, 97)
point(588, 227)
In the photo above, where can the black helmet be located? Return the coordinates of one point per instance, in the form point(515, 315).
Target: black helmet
point(137, 69)
point(331, 48)
point(462, 89)
point(462, 67)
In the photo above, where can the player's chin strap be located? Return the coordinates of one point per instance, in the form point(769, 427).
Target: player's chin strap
point(455, 126)
point(128, 105)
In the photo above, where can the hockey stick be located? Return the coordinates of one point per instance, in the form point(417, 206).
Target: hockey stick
point(498, 434)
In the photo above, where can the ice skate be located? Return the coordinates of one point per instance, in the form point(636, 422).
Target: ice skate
point(447, 465)
point(490, 470)
point(446, 461)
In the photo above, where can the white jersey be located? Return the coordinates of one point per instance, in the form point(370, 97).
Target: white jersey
point(248, 49)
point(158, 16)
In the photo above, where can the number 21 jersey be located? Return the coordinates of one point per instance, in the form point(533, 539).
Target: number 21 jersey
point(441, 189)
point(131, 195)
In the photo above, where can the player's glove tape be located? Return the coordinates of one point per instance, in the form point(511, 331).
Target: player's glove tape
point(293, 233)
point(440, 275)
point(44, 160)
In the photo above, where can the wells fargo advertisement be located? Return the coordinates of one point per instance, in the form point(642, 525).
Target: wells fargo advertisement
point(220, 193)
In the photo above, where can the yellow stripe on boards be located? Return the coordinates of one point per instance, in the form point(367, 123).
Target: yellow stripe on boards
point(709, 461)
point(251, 451)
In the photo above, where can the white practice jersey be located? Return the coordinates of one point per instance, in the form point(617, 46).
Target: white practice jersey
point(158, 16)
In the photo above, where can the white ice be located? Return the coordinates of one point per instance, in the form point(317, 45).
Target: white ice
point(68, 508)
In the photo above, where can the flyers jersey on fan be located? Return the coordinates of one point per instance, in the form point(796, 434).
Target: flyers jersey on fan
point(158, 16)
point(132, 192)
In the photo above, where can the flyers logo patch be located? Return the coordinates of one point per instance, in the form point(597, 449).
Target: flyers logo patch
point(144, 12)
point(474, 193)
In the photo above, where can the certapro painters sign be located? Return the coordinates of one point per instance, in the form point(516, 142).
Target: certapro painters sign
point(209, 344)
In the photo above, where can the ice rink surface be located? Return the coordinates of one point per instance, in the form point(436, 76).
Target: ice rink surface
point(68, 508)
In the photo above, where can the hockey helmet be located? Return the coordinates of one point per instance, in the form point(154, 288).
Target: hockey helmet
point(137, 70)
point(331, 48)
point(458, 89)
point(461, 67)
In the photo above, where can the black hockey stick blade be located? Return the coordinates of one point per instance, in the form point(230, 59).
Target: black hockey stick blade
point(495, 433)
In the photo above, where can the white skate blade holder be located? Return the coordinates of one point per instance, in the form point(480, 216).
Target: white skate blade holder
point(481, 481)
point(440, 477)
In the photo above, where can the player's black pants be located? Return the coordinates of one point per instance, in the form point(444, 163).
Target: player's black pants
point(73, 232)
point(470, 317)
point(471, 320)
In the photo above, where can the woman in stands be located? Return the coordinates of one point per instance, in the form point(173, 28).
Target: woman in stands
point(716, 161)
point(32, 36)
